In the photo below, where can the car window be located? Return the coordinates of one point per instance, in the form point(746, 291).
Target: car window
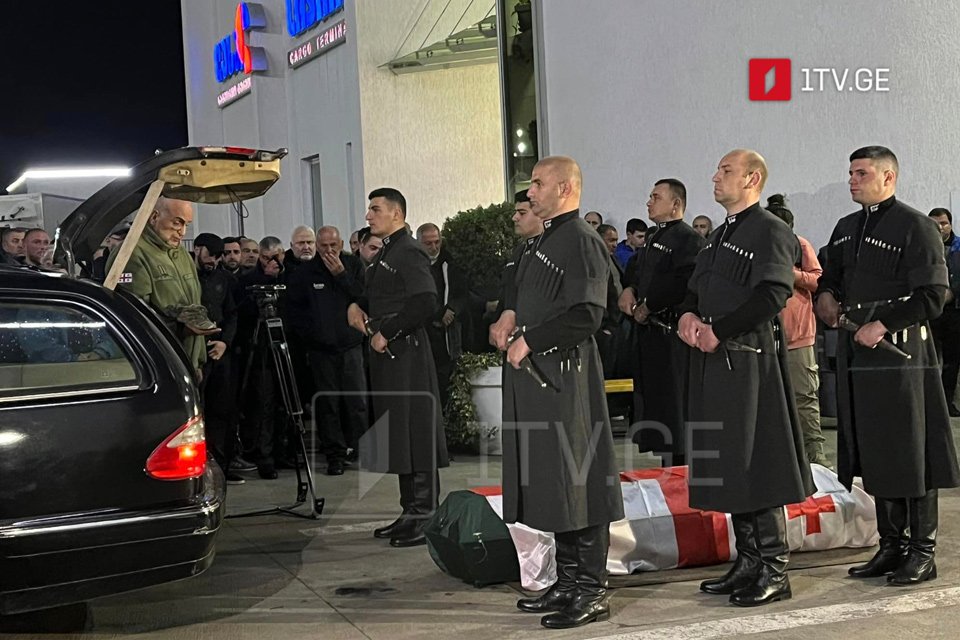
point(54, 348)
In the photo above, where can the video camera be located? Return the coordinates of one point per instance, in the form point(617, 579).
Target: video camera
point(266, 296)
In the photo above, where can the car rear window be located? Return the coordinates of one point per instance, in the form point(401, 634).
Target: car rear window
point(55, 348)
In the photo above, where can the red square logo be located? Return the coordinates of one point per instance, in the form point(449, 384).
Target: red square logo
point(770, 78)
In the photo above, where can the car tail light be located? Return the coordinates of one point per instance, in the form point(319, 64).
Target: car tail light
point(182, 455)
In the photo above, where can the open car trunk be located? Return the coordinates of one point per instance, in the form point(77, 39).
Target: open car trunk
point(206, 175)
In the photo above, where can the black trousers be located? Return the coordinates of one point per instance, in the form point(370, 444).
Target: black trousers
point(261, 399)
point(441, 360)
point(946, 336)
point(340, 407)
point(218, 393)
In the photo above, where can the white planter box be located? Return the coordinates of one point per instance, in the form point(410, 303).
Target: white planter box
point(488, 398)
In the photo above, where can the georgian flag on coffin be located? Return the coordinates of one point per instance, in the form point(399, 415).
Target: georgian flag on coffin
point(661, 531)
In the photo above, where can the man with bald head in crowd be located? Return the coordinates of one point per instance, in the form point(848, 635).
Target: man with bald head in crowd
point(318, 294)
point(162, 273)
point(594, 219)
point(554, 380)
point(740, 394)
point(446, 327)
point(303, 247)
point(703, 225)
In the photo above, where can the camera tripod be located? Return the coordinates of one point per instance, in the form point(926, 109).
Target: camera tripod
point(287, 385)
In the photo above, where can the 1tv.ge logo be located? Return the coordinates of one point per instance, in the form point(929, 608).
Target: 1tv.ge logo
point(770, 79)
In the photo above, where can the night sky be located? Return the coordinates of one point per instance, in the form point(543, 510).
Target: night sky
point(89, 82)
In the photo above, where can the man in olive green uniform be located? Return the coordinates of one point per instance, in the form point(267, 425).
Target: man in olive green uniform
point(162, 273)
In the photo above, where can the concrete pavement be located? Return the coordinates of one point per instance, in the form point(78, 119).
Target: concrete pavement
point(281, 577)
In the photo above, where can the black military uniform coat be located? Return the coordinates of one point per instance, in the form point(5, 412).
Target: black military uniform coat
point(401, 297)
point(746, 442)
point(886, 263)
point(659, 273)
point(559, 468)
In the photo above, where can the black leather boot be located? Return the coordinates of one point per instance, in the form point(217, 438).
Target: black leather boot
point(892, 526)
point(562, 591)
point(406, 503)
point(919, 565)
point(771, 583)
point(747, 565)
point(426, 486)
point(590, 600)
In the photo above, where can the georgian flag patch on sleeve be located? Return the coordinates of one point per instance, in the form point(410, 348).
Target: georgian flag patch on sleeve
point(125, 278)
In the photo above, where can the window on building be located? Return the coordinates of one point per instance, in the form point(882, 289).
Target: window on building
point(519, 82)
point(314, 188)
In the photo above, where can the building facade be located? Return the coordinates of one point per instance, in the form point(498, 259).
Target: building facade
point(320, 85)
point(452, 102)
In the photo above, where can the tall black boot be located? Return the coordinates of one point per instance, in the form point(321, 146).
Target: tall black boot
point(771, 584)
point(892, 526)
point(747, 565)
point(590, 601)
point(562, 591)
point(406, 504)
point(426, 487)
point(919, 565)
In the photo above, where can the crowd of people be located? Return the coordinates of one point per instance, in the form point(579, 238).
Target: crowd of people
point(716, 326)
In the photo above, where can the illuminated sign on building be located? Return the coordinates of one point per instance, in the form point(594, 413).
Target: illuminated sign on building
point(235, 92)
point(323, 42)
point(232, 55)
point(303, 14)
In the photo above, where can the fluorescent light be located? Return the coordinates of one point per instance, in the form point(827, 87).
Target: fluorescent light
point(88, 172)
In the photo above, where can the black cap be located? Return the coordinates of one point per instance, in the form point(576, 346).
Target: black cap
point(212, 242)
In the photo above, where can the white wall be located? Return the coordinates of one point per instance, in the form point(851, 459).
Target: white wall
point(637, 91)
point(434, 135)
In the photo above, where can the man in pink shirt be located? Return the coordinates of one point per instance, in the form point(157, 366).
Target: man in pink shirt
point(800, 326)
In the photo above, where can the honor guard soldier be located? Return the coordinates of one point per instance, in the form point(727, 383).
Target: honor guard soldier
point(752, 460)
point(560, 474)
point(884, 280)
point(654, 285)
point(400, 300)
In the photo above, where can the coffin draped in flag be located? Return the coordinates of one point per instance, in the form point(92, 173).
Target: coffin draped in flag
point(466, 539)
point(661, 531)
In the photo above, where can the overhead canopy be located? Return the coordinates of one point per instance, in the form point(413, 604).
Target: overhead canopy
point(449, 34)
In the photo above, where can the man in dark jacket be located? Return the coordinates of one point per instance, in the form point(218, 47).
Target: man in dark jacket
point(257, 388)
point(318, 294)
point(884, 280)
point(400, 299)
point(560, 474)
point(740, 386)
point(217, 295)
point(946, 328)
point(445, 328)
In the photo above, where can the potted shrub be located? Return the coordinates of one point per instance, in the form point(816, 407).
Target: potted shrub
point(479, 241)
point(473, 408)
